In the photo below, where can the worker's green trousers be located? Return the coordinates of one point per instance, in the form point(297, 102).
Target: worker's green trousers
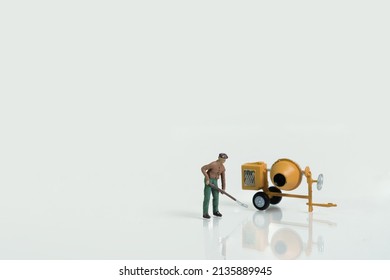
point(207, 190)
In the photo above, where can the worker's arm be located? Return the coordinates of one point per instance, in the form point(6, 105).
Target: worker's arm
point(204, 171)
point(223, 180)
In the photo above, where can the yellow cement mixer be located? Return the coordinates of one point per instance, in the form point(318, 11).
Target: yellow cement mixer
point(286, 175)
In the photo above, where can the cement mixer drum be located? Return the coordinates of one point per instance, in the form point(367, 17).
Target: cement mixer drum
point(286, 174)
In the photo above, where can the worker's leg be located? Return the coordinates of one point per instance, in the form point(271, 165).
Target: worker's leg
point(215, 195)
point(206, 199)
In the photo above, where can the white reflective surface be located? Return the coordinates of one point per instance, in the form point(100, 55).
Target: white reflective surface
point(114, 224)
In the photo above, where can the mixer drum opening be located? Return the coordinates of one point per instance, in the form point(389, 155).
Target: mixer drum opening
point(279, 180)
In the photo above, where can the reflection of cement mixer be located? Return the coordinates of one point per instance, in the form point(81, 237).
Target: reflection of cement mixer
point(284, 241)
point(286, 175)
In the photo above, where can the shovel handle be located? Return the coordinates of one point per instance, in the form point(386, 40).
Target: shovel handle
point(222, 191)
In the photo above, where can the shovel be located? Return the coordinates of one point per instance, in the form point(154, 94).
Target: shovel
point(223, 192)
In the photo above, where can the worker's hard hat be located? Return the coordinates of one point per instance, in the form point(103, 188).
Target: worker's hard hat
point(223, 155)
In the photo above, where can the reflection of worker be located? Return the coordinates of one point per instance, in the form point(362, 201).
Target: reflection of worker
point(212, 172)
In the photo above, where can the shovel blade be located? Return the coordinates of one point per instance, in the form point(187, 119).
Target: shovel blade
point(242, 204)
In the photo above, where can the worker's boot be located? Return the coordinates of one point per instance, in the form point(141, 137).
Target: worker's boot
point(217, 214)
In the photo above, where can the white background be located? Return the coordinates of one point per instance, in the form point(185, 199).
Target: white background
point(108, 109)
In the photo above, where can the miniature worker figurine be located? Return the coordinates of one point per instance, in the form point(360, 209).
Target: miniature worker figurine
point(212, 172)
